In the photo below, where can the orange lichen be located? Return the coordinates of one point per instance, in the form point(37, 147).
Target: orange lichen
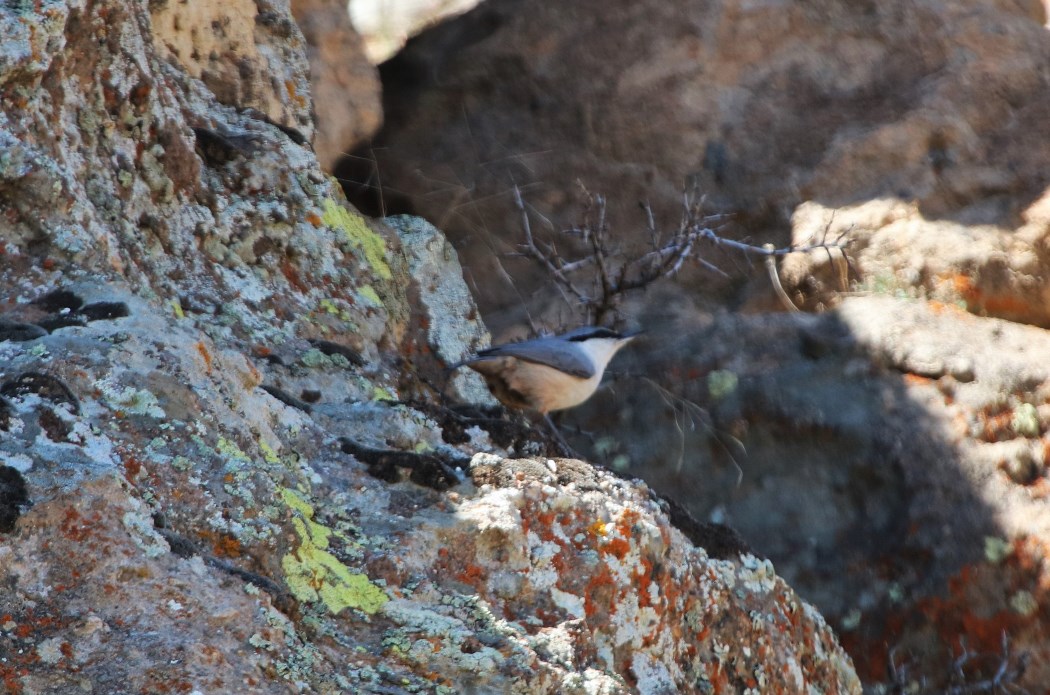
point(915, 380)
point(12, 678)
point(598, 591)
point(644, 579)
point(77, 528)
point(293, 94)
point(202, 350)
point(996, 304)
point(974, 612)
point(471, 574)
point(291, 274)
point(995, 426)
point(132, 467)
point(617, 546)
point(226, 546)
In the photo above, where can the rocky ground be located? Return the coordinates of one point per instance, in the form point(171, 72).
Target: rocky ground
point(887, 449)
point(225, 465)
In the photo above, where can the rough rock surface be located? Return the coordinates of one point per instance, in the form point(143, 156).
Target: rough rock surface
point(249, 54)
point(344, 84)
point(195, 330)
point(991, 270)
point(891, 455)
point(763, 105)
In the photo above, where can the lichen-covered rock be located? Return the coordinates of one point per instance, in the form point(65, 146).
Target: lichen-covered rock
point(594, 580)
point(991, 270)
point(890, 456)
point(441, 292)
point(176, 507)
point(249, 54)
point(195, 330)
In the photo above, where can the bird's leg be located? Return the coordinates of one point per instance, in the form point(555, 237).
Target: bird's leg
point(564, 445)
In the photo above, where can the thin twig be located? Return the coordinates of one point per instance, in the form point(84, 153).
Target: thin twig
point(534, 251)
point(611, 280)
point(774, 277)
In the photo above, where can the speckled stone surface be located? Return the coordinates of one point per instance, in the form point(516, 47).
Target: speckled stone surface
point(192, 319)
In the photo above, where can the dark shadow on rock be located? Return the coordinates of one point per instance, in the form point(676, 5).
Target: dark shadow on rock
point(761, 108)
point(791, 431)
point(852, 481)
point(14, 496)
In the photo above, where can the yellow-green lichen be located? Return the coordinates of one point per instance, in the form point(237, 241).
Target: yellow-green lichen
point(997, 549)
point(330, 307)
point(314, 574)
point(380, 393)
point(269, 455)
point(1025, 420)
point(357, 233)
point(231, 451)
point(1024, 602)
point(369, 294)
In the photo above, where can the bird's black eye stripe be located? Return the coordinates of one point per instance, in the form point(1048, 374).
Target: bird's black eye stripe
point(595, 333)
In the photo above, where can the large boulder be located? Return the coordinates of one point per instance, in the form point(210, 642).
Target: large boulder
point(890, 455)
point(761, 106)
point(202, 446)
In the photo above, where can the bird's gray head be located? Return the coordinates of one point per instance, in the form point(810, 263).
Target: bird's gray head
point(598, 342)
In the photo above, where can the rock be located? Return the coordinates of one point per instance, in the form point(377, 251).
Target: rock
point(173, 518)
point(249, 54)
point(763, 106)
point(435, 268)
point(344, 84)
point(991, 270)
point(892, 436)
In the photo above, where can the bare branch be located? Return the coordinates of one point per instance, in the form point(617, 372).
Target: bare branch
point(668, 253)
point(546, 259)
point(774, 277)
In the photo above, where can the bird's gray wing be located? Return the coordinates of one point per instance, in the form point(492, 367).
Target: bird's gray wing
point(546, 351)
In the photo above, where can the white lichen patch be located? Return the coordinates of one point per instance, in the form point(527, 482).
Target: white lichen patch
point(653, 676)
point(50, 650)
point(571, 604)
point(143, 534)
point(450, 631)
point(129, 400)
point(20, 462)
point(758, 575)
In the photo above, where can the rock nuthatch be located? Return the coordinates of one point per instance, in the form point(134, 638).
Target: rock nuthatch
point(550, 373)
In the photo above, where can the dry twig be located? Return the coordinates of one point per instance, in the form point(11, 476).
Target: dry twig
point(966, 674)
point(613, 274)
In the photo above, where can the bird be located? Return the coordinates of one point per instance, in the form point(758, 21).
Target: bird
point(548, 373)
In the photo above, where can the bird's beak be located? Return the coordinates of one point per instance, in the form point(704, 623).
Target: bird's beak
point(631, 334)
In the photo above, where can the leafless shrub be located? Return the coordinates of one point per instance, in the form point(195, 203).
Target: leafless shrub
point(969, 673)
point(599, 278)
